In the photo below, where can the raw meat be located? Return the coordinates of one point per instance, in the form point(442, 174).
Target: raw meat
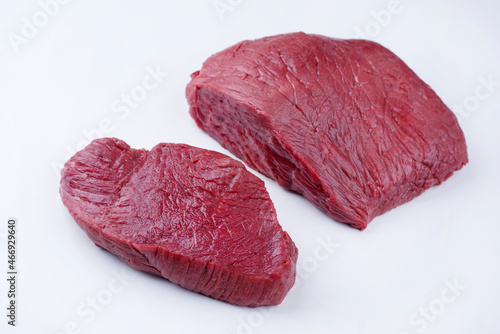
point(196, 217)
point(343, 122)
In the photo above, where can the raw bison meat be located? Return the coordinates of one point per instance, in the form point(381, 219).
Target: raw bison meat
point(343, 122)
point(196, 217)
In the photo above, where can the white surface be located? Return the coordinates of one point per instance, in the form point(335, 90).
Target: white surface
point(65, 79)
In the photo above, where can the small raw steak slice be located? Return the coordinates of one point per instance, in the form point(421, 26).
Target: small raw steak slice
point(196, 217)
point(343, 122)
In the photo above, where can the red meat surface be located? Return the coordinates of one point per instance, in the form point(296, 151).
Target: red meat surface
point(345, 123)
point(196, 217)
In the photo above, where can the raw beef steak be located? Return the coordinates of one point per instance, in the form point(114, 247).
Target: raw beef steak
point(196, 217)
point(343, 122)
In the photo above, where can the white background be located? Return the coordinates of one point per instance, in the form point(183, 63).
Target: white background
point(391, 278)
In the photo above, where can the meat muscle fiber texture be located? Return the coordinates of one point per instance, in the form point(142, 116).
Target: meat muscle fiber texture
point(346, 123)
point(196, 217)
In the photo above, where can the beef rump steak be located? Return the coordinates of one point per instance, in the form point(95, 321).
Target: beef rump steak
point(345, 123)
point(196, 217)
